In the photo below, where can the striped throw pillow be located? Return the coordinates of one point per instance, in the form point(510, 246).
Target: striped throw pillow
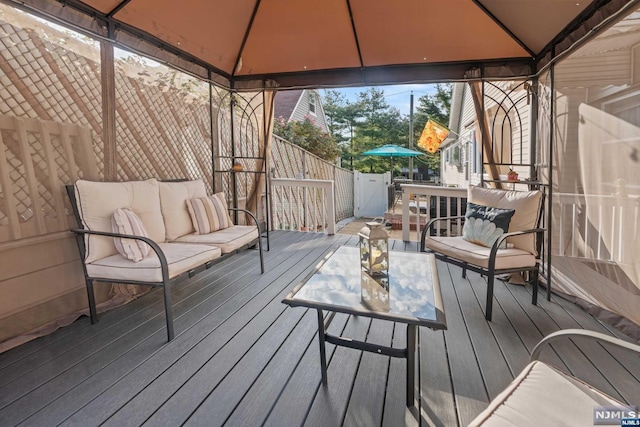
point(209, 214)
point(125, 221)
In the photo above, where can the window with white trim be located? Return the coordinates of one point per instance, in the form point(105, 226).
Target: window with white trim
point(475, 158)
point(312, 103)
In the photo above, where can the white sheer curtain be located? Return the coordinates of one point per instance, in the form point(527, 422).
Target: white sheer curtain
point(596, 173)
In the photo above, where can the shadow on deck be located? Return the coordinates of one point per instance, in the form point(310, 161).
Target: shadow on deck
point(241, 357)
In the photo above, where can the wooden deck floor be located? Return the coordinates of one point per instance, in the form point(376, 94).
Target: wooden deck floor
point(243, 358)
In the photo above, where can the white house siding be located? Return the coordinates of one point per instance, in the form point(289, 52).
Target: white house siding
point(301, 111)
point(613, 68)
point(462, 174)
point(454, 174)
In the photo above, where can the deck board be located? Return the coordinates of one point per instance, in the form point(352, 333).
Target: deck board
point(467, 379)
point(576, 361)
point(122, 367)
point(160, 389)
point(511, 345)
point(367, 396)
point(616, 378)
point(241, 357)
point(295, 400)
point(489, 354)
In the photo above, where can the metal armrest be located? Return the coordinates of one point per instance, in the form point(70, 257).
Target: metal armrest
point(251, 214)
point(255, 219)
point(425, 230)
point(591, 335)
point(499, 240)
point(442, 218)
point(163, 259)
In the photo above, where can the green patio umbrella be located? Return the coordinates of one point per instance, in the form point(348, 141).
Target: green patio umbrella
point(391, 151)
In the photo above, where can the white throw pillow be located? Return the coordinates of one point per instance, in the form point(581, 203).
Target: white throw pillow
point(125, 221)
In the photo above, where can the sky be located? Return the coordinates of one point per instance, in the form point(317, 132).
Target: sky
point(396, 96)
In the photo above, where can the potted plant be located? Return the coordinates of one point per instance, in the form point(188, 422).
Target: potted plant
point(512, 176)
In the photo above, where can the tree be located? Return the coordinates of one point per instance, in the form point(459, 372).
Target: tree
point(308, 136)
point(342, 116)
point(370, 122)
point(364, 124)
point(436, 107)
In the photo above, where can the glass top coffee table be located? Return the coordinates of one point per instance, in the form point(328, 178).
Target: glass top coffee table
point(409, 294)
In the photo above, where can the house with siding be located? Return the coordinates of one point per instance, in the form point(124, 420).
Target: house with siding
point(507, 106)
point(296, 105)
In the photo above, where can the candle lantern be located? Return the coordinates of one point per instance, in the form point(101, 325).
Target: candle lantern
point(374, 292)
point(374, 248)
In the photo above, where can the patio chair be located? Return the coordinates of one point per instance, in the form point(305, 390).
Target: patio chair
point(515, 251)
point(543, 395)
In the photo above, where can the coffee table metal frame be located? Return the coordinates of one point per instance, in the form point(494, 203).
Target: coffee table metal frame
point(408, 353)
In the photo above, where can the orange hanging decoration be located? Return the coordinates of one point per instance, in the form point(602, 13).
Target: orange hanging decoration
point(432, 136)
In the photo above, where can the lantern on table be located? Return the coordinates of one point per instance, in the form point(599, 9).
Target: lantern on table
point(374, 248)
point(374, 292)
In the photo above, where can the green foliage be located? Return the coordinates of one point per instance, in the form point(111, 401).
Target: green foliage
point(436, 107)
point(342, 116)
point(364, 124)
point(308, 136)
point(370, 122)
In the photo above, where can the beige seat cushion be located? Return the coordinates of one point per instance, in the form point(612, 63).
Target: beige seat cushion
point(97, 202)
point(228, 239)
point(543, 396)
point(180, 258)
point(463, 250)
point(173, 201)
point(527, 209)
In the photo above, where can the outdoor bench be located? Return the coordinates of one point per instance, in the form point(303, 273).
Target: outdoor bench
point(142, 233)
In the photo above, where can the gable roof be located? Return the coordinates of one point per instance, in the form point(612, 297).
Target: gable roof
point(285, 102)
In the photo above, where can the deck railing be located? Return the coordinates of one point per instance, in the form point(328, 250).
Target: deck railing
point(599, 227)
point(418, 200)
point(303, 204)
point(291, 161)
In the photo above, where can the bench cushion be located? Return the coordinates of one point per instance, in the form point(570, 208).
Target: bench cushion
point(526, 205)
point(97, 202)
point(543, 396)
point(173, 202)
point(228, 239)
point(180, 258)
point(463, 250)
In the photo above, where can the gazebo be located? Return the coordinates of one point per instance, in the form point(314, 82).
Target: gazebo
point(136, 89)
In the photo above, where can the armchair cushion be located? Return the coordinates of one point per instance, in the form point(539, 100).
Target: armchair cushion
point(542, 395)
point(527, 207)
point(173, 202)
point(484, 225)
point(459, 248)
